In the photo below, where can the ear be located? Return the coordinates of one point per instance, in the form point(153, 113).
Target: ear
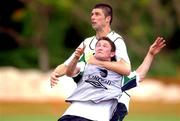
point(108, 18)
point(112, 54)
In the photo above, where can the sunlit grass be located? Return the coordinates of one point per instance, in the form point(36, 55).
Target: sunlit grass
point(152, 117)
point(27, 117)
point(51, 111)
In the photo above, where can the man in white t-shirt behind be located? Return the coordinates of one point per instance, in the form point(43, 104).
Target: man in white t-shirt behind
point(101, 18)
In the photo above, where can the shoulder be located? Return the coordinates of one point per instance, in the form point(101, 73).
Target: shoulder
point(117, 39)
point(90, 43)
point(89, 39)
point(115, 36)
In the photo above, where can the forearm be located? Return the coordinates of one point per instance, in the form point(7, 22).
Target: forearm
point(71, 67)
point(144, 67)
point(60, 70)
point(118, 67)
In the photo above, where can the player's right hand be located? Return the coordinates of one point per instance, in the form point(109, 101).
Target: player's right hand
point(79, 51)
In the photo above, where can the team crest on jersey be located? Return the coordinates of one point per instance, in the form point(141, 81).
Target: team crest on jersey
point(96, 84)
point(103, 72)
point(98, 81)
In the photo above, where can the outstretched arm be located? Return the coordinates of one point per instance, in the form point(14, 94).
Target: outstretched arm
point(154, 49)
point(132, 80)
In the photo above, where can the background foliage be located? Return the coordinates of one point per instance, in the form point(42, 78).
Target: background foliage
point(43, 33)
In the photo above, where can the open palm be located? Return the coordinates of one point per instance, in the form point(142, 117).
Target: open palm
point(157, 46)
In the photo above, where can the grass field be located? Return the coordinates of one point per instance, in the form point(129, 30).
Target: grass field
point(50, 111)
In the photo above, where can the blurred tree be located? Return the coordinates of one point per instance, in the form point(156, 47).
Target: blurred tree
point(140, 22)
point(41, 13)
point(72, 37)
point(10, 24)
point(50, 25)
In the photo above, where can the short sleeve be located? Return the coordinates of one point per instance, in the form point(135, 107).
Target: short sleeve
point(121, 50)
point(130, 81)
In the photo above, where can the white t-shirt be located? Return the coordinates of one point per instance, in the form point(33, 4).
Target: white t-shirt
point(90, 43)
point(125, 98)
point(101, 111)
point(97, 84)
point(121, 53)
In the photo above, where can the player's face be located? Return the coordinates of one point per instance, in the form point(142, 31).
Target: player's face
point(98, 19)
point(103, 51)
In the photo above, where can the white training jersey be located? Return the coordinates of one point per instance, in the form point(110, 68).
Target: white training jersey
point(90, 43)
point(121, 53)
point(102, 111)
point(97, 84)
point(128, 82)
point(98, 89)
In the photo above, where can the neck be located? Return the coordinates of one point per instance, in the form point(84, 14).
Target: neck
point(103, 32)
point(102, 59)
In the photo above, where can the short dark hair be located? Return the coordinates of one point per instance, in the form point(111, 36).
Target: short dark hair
point(107, 9)
point(113, 47)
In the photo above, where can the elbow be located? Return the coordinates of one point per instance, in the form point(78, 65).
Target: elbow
point(141, 79)
point(127, 71)
point(141, 73)
point(69, 73)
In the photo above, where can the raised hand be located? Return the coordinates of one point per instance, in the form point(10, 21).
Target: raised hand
point(79, 51)
point(156, 47)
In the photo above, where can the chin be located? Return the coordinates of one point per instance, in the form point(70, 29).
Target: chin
point(101, 59)
point(94, 27)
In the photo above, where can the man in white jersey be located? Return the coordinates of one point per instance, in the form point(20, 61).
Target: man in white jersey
point(97, 94)
point(140, 73)
point(95, 89)
point(101, 20)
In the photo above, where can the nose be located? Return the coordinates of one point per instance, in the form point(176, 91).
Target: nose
point(92, 17)
point(99, 48)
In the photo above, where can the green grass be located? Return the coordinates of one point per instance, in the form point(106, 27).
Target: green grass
point(51, 111)
point(44, 117)
point(41, 117)
point(31, 111)
point(146, 117)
